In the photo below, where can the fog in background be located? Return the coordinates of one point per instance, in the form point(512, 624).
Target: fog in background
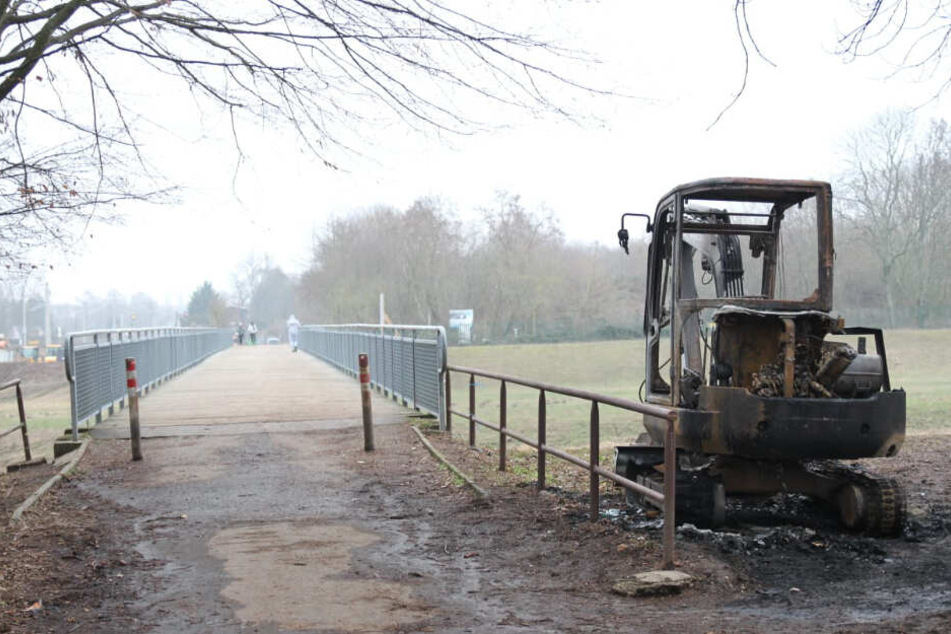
point(517, 220)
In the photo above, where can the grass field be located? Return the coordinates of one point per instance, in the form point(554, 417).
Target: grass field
point(917, 363)
point(47, 415)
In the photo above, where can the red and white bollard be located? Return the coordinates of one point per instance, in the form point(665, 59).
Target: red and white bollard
point(133, 384)
point(365, 400)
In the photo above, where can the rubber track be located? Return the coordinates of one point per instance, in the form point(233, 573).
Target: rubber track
point(885, 516)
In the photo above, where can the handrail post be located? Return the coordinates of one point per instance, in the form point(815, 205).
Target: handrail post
point(670, 488)
point(542, 423)
point(472, 409)
point(23, 432)
point(503, 408)
point(595, 462)
point(448, 403)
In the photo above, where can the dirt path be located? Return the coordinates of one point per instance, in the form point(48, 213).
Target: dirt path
point(236, 522)
point(243, 388)
point(303, 532)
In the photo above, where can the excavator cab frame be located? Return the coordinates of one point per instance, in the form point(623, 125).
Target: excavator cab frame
point(752, 359)
point(678, 216)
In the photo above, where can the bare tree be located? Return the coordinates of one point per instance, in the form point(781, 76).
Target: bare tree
point(872, 192)
point(323, 66)
point(50, 198)
point(895, 195)
point(927, 201)
point(245, 280)
point(272, 301)
point(430, 257)
point(920, 32)
point(515, 277)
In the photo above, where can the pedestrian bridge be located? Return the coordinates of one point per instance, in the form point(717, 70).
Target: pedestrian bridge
point(199, 383)
point(252, 389)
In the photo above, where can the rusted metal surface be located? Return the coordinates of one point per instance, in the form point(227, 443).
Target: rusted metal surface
point(670, 494)
point(132, 385)
point(789, 365)
point(503, 411)
point(731, 421)
point(622, 403)
point(776, 387)
point(542, 433)
point(665, 414)
point(472, 408)
point(21, 426)
point(627, 483)
point(594, 437)
point(363, 362)
point(446, 416)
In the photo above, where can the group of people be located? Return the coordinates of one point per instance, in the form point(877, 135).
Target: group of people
point(293, 328)
point(252, 332)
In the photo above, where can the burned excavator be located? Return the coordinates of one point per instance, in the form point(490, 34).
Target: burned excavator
point(772, 391)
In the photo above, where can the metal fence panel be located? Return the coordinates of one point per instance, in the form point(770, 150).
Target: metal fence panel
point(95, 362)
point(407, 363)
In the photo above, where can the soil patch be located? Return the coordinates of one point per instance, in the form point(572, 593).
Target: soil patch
point(17, 486)
point(68, 561)
point(36, 378)
point(290, 528)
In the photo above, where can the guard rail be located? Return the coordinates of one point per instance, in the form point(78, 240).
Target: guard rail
point(407, 363)
point(95, 363)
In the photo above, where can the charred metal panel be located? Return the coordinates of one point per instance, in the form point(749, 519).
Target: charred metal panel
point(732, 421)
point(746, 343)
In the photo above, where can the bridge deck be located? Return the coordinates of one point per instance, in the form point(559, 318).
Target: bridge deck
point(252, 389)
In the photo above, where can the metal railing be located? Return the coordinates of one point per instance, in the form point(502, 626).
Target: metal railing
point(95, 363)
point(592, 465)
point(406, 362)
point(22, 425)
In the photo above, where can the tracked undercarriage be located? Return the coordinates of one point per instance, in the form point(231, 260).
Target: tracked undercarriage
point(771, 390)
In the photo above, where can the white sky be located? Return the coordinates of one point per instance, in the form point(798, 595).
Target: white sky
point(683, 58)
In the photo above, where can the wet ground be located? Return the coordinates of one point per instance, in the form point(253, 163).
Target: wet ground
point(304, 532)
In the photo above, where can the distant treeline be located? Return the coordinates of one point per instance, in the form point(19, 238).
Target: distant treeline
point(525, 281)
point(514, 268)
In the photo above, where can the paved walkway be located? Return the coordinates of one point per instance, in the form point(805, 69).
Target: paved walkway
point(249, 390)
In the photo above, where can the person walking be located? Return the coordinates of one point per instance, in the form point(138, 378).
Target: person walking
point(253, 333)
point(293, 327)
point(240, 333)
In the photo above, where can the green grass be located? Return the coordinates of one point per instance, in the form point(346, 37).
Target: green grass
point(615, 368)
point(47, 417)
point(916, 360)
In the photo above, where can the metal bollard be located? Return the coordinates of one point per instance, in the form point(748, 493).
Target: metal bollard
point(134, 431)
point(365, 401)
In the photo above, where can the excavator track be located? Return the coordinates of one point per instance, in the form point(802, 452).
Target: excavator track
point(877, 510)
point(700, 498)
point(868, 504)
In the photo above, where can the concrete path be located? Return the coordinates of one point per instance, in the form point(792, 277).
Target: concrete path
point(248, 390)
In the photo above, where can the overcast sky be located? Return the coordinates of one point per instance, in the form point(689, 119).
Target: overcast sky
point(681, 61)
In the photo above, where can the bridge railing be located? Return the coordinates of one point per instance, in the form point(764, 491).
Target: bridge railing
point(95, 363)
point(407, 363)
